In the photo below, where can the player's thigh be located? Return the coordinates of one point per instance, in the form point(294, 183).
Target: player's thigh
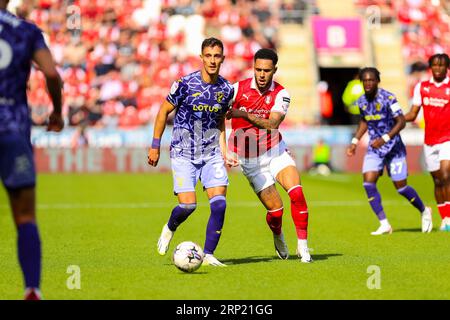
point(257, 172)
point(214, 174)
point(270, 198)
point(373, 166)
point(431, 155)
point(216, 191)
point(17, 169)
point(284, 169)
point(398, 169)
point(187, 197)
point(185, 175)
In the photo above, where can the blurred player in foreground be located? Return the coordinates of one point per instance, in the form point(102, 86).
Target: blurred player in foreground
point(260, 105)
point(434, 96)
point(382, 117)
point(198, 141)
point(21, 43)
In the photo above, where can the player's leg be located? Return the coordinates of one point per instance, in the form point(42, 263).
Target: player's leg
point(432, 154)
point(444, 161)
point(372, 166)
point(283, 168)
point(271, 200)
point(257, 172)
point(398, 171)
point(185, 177)
point(214, 178)
point(17, 171)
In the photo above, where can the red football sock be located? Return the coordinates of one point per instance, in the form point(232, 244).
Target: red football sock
point(299, 211)
point(274, 221)
point(447, 209)
point(441, 209)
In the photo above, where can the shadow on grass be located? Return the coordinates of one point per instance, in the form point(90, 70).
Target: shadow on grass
point(256, 259)
point(418, 230)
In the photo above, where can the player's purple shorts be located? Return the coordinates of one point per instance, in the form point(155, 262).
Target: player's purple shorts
point(17, 168)
point(396, 165)
point(186, 174)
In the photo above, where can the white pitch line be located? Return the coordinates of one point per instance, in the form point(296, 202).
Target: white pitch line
point(237, 204)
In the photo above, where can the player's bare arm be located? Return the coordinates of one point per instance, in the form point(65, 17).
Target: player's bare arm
point(272, 123)
point(230, 159)
point(398, 126)
point(46, 64)
point(412, 114)
point(160, 125)
point(360, 131)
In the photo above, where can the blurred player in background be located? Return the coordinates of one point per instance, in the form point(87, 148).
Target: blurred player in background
point(434, 96)
point(198, 141)
point(382, 117)
point(21, 43)
point(260, 105)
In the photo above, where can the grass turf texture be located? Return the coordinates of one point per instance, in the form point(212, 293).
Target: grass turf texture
point(108, 225)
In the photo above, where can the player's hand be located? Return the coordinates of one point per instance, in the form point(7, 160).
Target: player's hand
point(351, 150)
point(377, 143)
point(231, 159)
point(153, 157)
point(55, 122)
point(235, 113)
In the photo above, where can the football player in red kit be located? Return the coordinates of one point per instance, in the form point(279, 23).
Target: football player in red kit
point(434, 96)
point(260, 105)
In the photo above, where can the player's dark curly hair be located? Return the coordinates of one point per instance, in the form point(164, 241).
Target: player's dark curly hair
point(268, 54)
point(369, 69)
point(439, 56)
point(212, 42)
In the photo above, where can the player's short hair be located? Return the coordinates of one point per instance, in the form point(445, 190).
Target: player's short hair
point(212, 42)
point(439, 56)
point(267, 54)
point(370, 69)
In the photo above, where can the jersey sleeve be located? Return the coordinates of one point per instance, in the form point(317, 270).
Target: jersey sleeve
point(178, 92)
point(417, 97)
point(38, 41)
point(394, 106)
point(282, 101)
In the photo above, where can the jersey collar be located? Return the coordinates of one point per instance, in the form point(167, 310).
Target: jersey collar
point(446, 81)
point(253, 85)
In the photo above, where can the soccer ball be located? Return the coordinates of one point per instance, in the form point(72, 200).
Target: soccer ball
point(188, 256)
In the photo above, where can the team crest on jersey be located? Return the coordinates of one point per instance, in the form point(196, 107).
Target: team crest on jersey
point(243, 109)
point(268, 99)
point(378, 106)
point(219, 96)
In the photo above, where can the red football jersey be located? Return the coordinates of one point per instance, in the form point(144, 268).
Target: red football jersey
point(435, 100)
point(246, 139)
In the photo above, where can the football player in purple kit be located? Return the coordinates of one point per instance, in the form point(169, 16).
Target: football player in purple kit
point(21, 43)
point(382, 117)
point(198, 145)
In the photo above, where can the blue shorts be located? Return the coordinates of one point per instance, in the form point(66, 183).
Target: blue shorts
point(186, 174)
point(396, 165)
point(17, 168)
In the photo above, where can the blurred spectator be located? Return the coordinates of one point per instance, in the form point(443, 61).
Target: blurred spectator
point(326, 103)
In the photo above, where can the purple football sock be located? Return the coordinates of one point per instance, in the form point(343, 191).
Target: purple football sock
point(29, 252)
point(179, 214)
point(374, 199)
point(218, 205)
point(411, 194)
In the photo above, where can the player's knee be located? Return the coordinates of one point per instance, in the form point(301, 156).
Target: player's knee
point(188, 208)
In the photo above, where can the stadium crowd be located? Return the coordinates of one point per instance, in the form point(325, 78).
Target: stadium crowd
point(118, 58)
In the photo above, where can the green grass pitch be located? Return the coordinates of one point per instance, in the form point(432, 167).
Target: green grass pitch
point(108, 226)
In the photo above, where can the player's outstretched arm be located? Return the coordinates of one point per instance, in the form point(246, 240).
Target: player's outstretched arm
point(158, 130)
point(412, 114)
point(230, 160)
point(360, 131)
point(46, 64)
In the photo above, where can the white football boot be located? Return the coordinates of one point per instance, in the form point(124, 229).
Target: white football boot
point(427, 221)
point(303, 252)
point(210, 260)
point(164, 240)
point(280, 246)
point(382, 229)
